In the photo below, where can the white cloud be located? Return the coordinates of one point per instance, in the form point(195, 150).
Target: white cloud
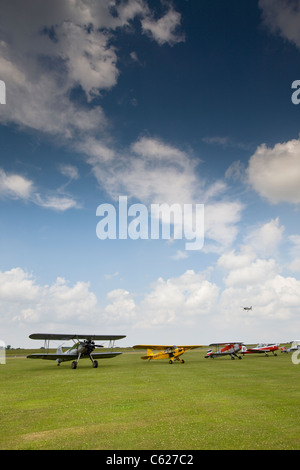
point(121, 307)
point(283, 17)
point(190, 299)
point(145, 171)
point(275, 172)
point(180, 299)
point(24, 301)
point(255, 273)
point(55, 202)
point(220, 223)
point(18, 287)
point(15, 186)
point(164, 30)
point(57, 48)
point(70, 171)
point(179, 255)
point(294, 252)
point(266, 238)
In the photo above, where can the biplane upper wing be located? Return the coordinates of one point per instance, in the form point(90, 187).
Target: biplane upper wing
point(67, 337)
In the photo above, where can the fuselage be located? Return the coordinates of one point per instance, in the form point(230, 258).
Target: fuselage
point(228, 349)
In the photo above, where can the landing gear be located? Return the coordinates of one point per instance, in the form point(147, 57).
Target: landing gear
point(233, 358)
point(95, 363)
point(75, 363)
point(176, 359)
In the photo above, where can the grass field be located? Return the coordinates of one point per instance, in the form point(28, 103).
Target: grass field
point(132, 404)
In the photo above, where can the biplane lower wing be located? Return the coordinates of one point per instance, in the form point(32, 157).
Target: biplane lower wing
point(79, 350)
point(70, 357)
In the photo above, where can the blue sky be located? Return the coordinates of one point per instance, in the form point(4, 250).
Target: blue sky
point(183, 102)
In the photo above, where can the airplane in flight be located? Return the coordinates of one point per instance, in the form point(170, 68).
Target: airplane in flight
point(247, 308)
point(80, 349)
point(261, 349)
point(172, 353)
point(229, 349)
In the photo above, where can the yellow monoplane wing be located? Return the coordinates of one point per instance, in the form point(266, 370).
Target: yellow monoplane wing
point(163, 347)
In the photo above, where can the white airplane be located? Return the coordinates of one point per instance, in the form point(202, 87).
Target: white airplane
point(79, 350)
point(261, 348)
point(295, 345)
point(229, 349)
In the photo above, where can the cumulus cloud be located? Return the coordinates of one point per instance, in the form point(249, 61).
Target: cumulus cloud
point(144, 171)
point(221, 224)
point(282, 17)
point(62, 52)
point(275, 172)
point(59, 48)
point(164, 30)
point(154, 171)
point(266, 238)
point(15, 186)
point(24, 300)
point(184, 298)
point(294, 251)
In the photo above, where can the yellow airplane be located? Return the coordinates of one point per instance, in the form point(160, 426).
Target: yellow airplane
point(164, 352)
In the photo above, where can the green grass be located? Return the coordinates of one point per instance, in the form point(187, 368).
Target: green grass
point(128, 403)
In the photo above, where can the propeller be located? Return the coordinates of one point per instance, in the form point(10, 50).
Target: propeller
point(90, 345)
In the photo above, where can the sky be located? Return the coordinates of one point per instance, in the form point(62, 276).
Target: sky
point(187, 102)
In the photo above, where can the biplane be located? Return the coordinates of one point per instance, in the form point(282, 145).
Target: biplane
point(80, 349)
point(172, 353)
point(261, 349)
point(228, 349)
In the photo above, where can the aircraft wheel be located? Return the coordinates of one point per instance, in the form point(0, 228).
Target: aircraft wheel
point(74, 365)
point(182, 361)
point(170, 362)
point(240, 357)
point(95, 364)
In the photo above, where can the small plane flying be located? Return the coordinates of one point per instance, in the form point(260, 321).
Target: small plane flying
point(229, 349)
point(79, 350)
point(164, 352)
point(247, 308)
point(260, 349)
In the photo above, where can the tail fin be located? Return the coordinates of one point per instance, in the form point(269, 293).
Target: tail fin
point(149, 354)
point(59, 350)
